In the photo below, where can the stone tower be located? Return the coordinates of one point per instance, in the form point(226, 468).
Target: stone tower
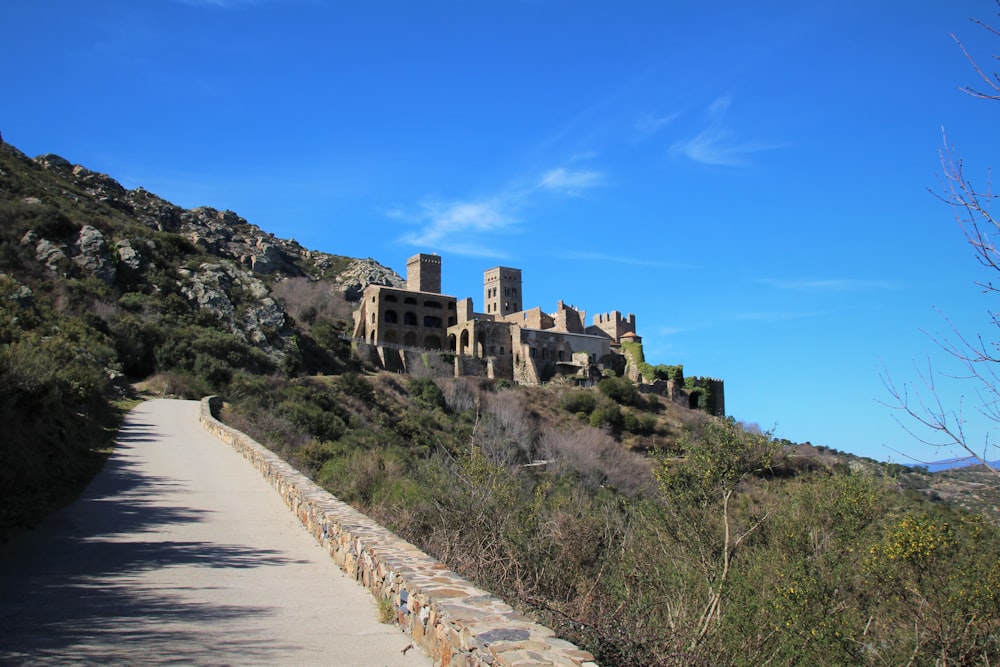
point(423, 273)
point(502, 291)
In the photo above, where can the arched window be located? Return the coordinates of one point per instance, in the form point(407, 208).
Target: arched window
point(410, 319)
point(410, 339)
point(391, 317)
point(392, 298)
point(410, 301)
point(432, 304)
point(432, 322)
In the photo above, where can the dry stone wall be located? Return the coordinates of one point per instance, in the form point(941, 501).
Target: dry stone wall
point(454, 622)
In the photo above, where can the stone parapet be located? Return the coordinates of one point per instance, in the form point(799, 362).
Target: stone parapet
point(453, 621)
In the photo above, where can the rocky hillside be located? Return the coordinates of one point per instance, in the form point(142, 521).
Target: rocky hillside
point(77, 224)
point(102, 287)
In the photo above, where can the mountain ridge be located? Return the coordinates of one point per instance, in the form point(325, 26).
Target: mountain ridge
point(89, 225)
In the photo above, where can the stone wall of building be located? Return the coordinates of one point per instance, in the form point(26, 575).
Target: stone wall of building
point(568, 318)
point(613, 325)
point(423, 273)
point(454, 622)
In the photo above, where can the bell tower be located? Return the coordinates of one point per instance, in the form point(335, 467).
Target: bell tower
point(423, 273)
point(502, 291)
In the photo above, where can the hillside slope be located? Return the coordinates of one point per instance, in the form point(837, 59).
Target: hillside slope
point(102, 286)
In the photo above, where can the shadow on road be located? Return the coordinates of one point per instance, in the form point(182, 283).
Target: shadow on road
point(75, 578)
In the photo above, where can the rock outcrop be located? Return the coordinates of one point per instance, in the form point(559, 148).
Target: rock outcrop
point(135, 240)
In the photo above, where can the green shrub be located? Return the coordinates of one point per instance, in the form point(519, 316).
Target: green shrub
point(609, 416)
point(353, 384)
point(675, 373)
point(313, 455)
point(426, 391)
point(51, 223)
point(578, 402)
point(619, 390)
point(641, 424)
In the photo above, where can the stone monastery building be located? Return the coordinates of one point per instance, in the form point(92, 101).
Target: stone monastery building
point(396, 327)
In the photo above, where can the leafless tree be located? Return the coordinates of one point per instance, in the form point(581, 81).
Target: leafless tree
point(978, 355)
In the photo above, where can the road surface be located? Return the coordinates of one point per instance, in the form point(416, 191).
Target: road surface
point(180, 553)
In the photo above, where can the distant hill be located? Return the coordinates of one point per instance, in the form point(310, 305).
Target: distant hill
point(954, 464)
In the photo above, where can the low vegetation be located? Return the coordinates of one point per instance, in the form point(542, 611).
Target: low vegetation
point(717, 546)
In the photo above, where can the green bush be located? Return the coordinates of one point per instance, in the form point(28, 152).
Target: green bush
point(578, 402)
point(639, 424)
point(675, 373)
point(620, 390)
point(608, 416)
point(426, 391)
point(353, 384)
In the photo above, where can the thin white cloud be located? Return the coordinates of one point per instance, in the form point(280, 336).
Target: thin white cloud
point(830, 285)
point(648, 124)
point(717, 144)
point(460, 227)
point(469, 227)
point(570, 182)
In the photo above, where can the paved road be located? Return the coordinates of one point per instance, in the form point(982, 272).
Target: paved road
point(179, 553)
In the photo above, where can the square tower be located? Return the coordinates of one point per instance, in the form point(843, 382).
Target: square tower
point(502, 291)
point(423, 273)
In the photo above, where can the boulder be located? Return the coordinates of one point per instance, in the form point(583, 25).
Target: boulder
point(129, 260)
point(93, 256)
point(360, 274)
point(54, 162)
point(50, 254)
point(207, 288)
point(267, 258)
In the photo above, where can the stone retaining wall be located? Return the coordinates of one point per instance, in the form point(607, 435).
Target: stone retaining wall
point(454, 622)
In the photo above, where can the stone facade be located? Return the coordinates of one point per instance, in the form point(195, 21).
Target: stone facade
point(527, 346)
point(423, 273)
point(395, 316)
point(502, 291)
point(450, 619)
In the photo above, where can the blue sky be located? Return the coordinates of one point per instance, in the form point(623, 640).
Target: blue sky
point(752, 180)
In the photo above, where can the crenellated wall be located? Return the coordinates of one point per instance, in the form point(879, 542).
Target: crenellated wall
point(454, 622)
